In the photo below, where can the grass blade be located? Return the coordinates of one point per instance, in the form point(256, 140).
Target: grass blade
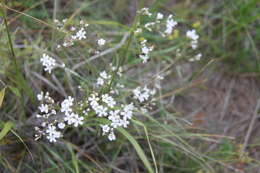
point(2, 95)
point(7, 127)
point(138, 149)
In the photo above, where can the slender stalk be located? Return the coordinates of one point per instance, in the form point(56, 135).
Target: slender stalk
point(54, 17)
point(10, 41)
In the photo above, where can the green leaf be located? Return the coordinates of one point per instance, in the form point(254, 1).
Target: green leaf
point(138, 149)
point(74, 159)
point(15, 91)
point(7, 127)
point(2, 95)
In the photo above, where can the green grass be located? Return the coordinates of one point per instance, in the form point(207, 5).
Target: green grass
point(157, 142)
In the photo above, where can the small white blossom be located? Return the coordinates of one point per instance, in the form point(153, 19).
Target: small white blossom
point(48, 62)
point(70, 118)
point(66, 105)
point(104, 77)
point(192, 34)
point(159, 16)
point(101, 42)
point(61, 125)
point(93, 99)
point(53, 134)
point(80, 35)
point(108, 100)
point(145, 51)
point(100, 81)
point(170, 24)
point(100, 110)
point(105, 129)
point(128, 111)
point(40, 96)
point(44, 108)
point(111, 136)
point(143, 94)
point(78, 120)
point(145, 11)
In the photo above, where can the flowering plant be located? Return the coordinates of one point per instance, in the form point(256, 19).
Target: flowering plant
point(104, 99)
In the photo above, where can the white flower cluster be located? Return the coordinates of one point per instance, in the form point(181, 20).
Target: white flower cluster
point(52, 118)
point(103, 78)
point(46, 111)
point(154, 22)
point(75, 33)
point(48, 62)
point(143, 94)
point(145, 11)
point(191, 34)
point(56, 117)
point(118, 115)
point(70, 117)
point(170, 24)
point(145, 51)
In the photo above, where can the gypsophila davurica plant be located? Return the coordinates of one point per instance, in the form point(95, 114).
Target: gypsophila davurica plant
point(104, 99)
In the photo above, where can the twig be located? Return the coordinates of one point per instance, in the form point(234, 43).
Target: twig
point(226, 99)
point(105, 52)
point(251, 126)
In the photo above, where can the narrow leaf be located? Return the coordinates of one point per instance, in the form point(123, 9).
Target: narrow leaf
point(2, 95)
point(7, 127)
point(138, 149)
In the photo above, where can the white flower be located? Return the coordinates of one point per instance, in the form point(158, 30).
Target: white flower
point(53, 134)
point(145, 51)
point(143, 94)
point(159, 16)
point(66, 105)
point(111, 136)
point(70, 118)
point(40, 96)
point(144, 58)
point(61, 125)
point(101, 111)
point(93, 99)
point(51, 138)
point(170, 24)
point(124, 123)
point(145, 11)
point(104, 75)
point(108, 100)
point(78, 120)
point(192, 34)
point(48, 62)
point(100, 81)
point(80, 35)
point(105, 129)
point(51, 129)
point(44, 108)
point(101, 42)
point(127, 111)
